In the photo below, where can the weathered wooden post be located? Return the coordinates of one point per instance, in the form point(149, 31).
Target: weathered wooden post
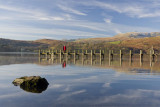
point(109, 57)
point(86, 53)
point(120, 53)
point(141, 57)
point(94, 54)
point(39, 53)
point(49, 53)
point(66, 53)
point(78, 53)
point(82, 57)
point(46, 54)
point(130, 57)
point(112, 55)
point(60, 54)
point(91, 56)
point(52, 54)
point(39, 59)
point(153, 54)
point(74, 57)
point(82, 53)
point(103, 53)
point(100, 56)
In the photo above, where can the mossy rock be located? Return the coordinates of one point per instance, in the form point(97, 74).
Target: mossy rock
point(34, 84)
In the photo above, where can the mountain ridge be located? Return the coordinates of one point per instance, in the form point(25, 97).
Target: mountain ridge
point(130, 40)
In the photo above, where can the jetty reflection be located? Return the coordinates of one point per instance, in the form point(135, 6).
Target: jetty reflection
point(125, 64)
point(122, 65)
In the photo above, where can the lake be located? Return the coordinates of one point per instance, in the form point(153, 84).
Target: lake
point(80, 83)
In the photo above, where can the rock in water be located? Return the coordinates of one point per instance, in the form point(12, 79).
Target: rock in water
point(34, 84)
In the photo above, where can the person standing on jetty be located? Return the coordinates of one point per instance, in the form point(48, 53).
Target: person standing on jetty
point(64, 48)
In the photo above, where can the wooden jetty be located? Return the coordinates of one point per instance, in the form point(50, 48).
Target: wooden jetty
point(95, 53)
point(96, 61)
point(60, 53)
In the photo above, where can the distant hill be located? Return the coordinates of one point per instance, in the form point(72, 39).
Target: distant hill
point(142, 43)
point(121, 37)
point(138, 34)
point(127, 41)
point(17, 45)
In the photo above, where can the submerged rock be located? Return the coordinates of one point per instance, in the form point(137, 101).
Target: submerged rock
point(34, 84)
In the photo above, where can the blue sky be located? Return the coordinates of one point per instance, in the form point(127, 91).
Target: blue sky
point(73, 19)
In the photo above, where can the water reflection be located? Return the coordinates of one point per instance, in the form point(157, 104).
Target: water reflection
point(64, 64)
point(82, 83)
point(120, 65)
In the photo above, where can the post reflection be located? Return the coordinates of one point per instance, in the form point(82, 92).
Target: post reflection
point(122, 63)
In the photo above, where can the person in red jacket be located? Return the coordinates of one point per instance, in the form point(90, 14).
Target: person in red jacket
point(64, 48)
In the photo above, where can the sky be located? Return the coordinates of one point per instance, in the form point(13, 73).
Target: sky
point(74, 19)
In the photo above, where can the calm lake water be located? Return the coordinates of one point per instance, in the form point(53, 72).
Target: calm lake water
point(80, 84)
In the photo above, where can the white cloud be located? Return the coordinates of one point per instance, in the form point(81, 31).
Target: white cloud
point(71, 10)
point(99, 29)
point(66, 95)
point(54, 86)
point(20, 13)
point(107, 85)
point(117, 30)
point(13, 95)
point(50, 18)
point(108, 20)
point(130, 8)
point(130, 98)
point(67, 24)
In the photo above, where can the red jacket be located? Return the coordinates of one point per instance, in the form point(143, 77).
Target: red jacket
point(64, 48)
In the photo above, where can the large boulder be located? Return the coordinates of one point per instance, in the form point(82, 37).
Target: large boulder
point(34, 84)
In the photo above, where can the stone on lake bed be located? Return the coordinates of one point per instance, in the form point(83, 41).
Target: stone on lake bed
point(34, 84)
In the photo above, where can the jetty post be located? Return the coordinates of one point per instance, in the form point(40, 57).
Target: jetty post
point(120, 53)
point(91, 56)
point(109, 57)
point(46, 54)
point(52, 54)
point(78, 53)
point(100, 56)
point(60, 55)
point(82, 53)
point(130, 57)
point(82, 57)
point(86, 53)
point(94, 53)
point(141, 57)
point(74, 54)
point(103, 52)
point(152, 55)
